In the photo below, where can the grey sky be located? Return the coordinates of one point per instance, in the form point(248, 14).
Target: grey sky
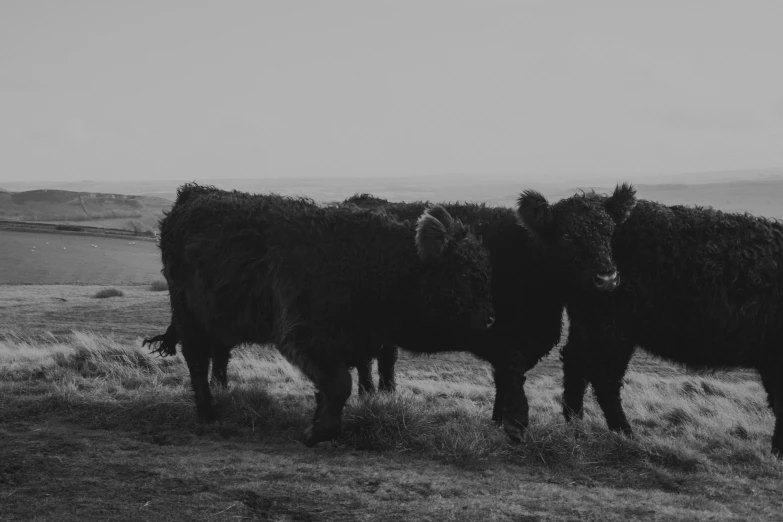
point(188, 89)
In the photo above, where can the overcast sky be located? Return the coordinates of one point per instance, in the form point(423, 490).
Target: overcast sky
point(113, 90)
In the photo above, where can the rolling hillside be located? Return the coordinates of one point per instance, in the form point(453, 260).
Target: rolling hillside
point(757, 192)
point(139, 213)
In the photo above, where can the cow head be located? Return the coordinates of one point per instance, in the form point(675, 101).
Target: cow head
point(455, 279)
point(575, 233)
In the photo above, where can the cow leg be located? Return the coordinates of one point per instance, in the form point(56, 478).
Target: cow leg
point(196, 352)
point(605, 371)
point(387, 359)
point(318, 353)
point(500, 375)
point(574, 381)
point(220, 357)
point(333, 387)
point(607, 393)
point(772, 379)
point(364, 370)
point(515, 406)
point(500, 395)
point(512, 354)
point(508, 372)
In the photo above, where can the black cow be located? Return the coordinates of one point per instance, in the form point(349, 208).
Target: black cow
point(328, 286)
point(559, 250)
point(166, 343)
point(700, 287)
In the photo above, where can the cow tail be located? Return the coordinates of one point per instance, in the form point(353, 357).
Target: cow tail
point(164, 345)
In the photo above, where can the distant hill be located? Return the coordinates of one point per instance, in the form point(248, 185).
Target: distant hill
point(756, 191)
point(321, 187)
point(760, 198)
point(140, 213)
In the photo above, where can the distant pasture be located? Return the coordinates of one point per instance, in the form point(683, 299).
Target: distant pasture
point(48, 258)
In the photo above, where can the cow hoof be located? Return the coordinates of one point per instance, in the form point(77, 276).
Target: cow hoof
point(326, 445)
point(514, 430)
point(207, 416)
point(515, 436)
point(308, 438)
point(313, 435)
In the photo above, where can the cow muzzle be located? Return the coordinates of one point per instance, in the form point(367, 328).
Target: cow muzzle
point(607, 282)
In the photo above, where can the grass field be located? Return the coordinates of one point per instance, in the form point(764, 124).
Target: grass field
point(92, 427)
point(47, 258)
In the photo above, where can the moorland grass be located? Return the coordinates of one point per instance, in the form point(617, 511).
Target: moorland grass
point(683, 424)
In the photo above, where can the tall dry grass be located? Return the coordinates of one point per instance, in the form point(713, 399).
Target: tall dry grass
point(442, 408)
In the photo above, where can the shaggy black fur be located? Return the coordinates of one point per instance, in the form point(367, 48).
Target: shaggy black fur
point(558, 251)
point(165, 345)
point(328, 286)
point(700, 287)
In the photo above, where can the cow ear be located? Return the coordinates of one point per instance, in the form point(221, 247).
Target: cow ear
point(534, 212)
point(431, 236)
point(620, 204)
point(442, 215)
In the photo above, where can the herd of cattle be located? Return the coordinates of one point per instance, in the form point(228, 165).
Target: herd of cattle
point(335, 286)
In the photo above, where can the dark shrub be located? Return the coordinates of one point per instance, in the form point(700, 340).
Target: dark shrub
point(159, 286)
point(108, 292)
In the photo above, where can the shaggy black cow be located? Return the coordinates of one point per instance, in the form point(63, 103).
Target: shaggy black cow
point(560, 249)
point(700, 287)
point(166, 343)
point(328, 286)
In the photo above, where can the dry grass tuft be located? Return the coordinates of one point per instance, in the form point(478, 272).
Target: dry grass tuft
point(161, 285)
point(108, 292)
point(389, 422)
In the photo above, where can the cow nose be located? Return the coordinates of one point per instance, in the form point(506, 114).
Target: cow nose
point(607, 281)
point(490, 321)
